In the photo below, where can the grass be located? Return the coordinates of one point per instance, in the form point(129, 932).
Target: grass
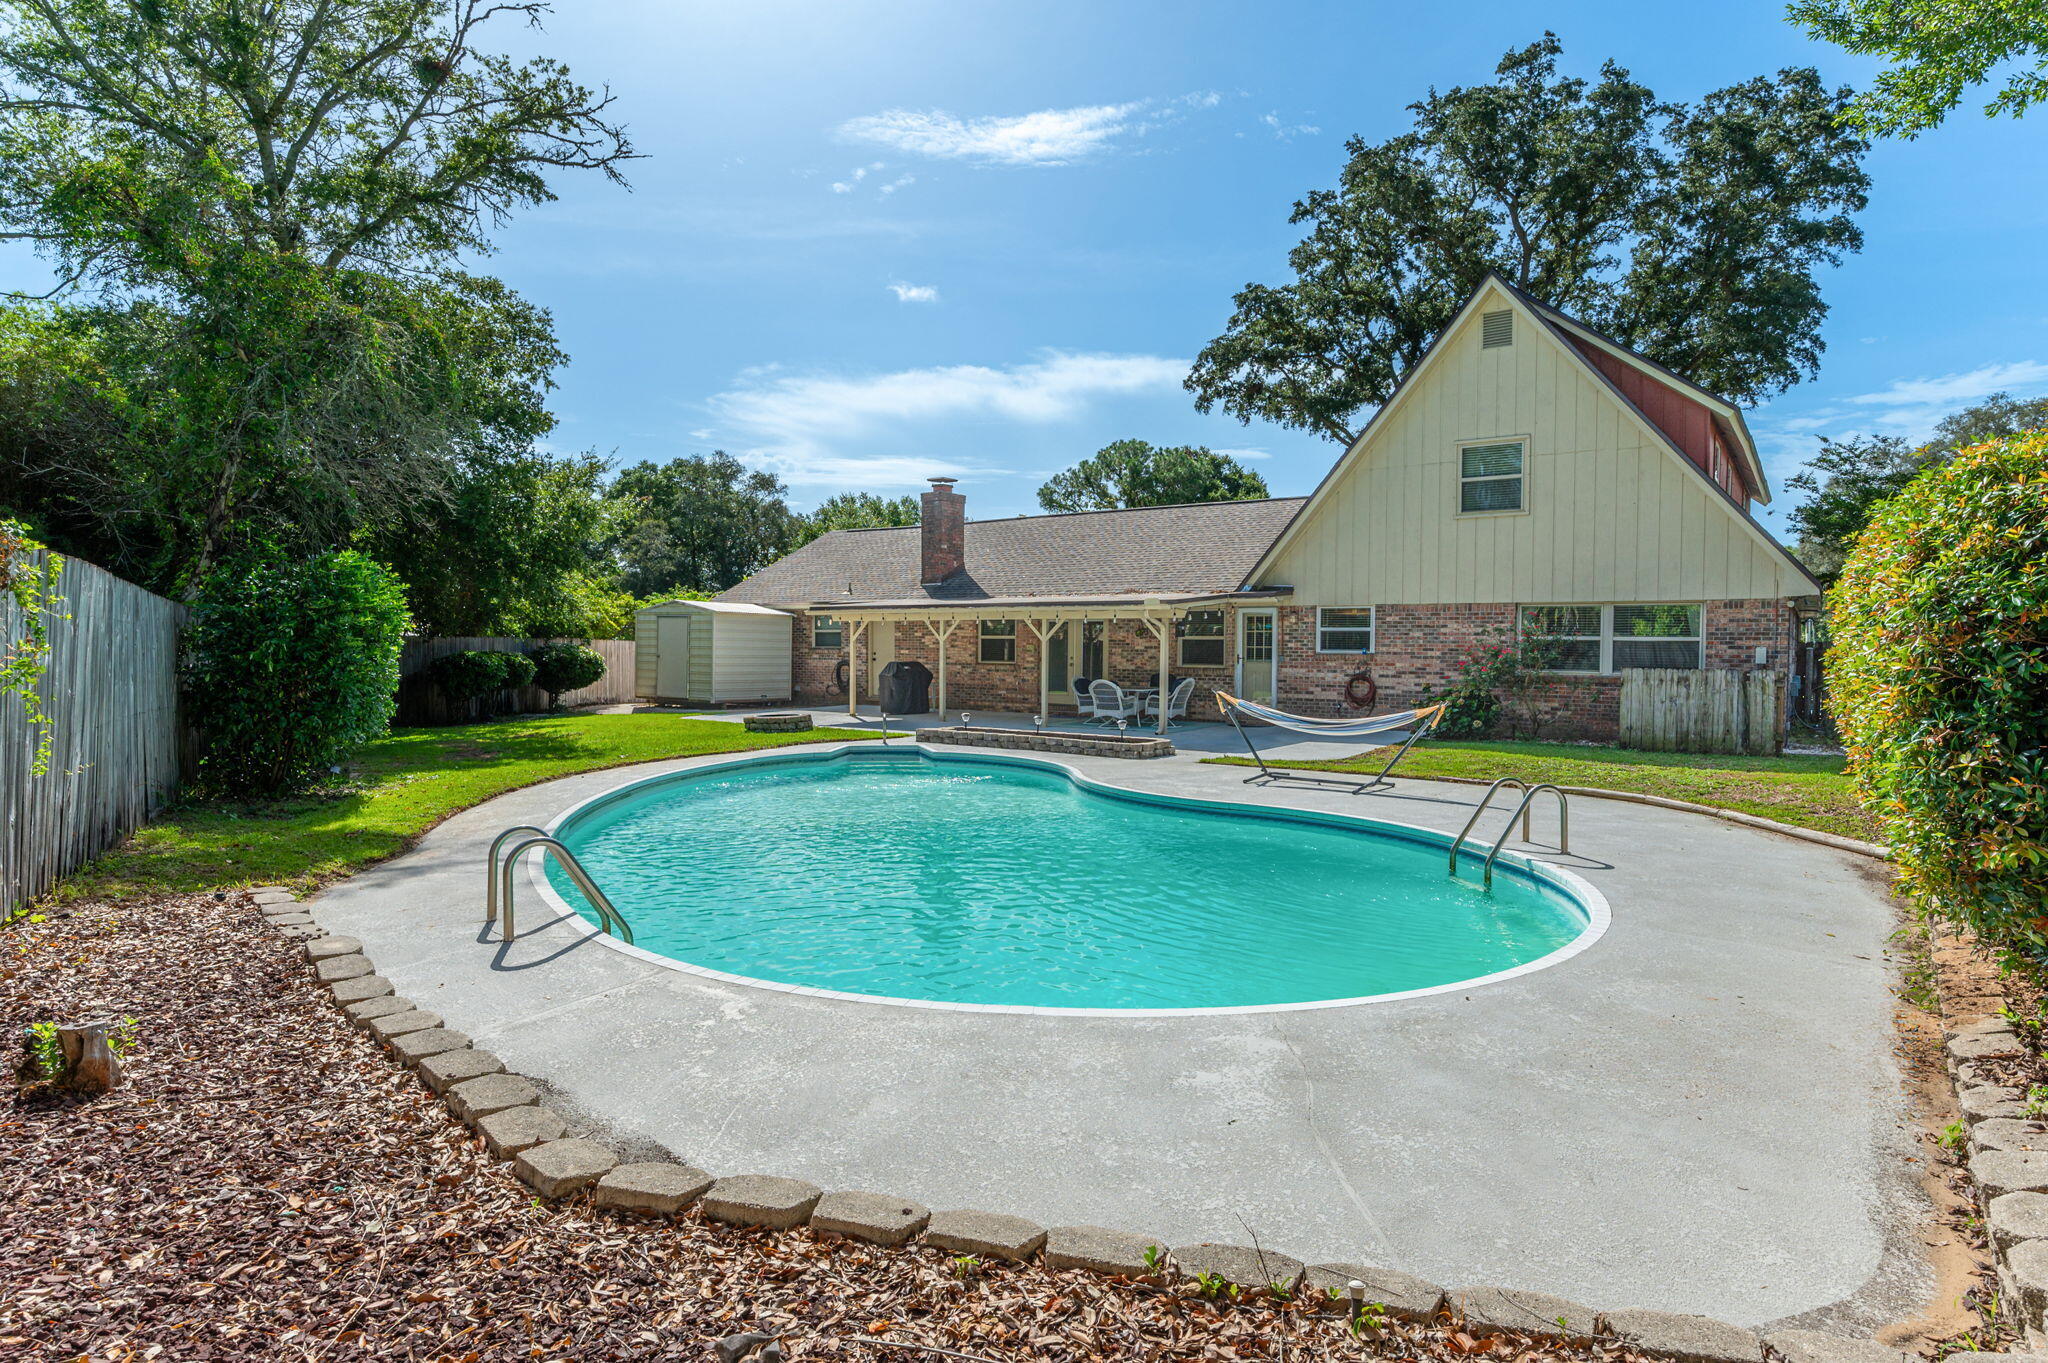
point(396, 789)
point(1809, 792)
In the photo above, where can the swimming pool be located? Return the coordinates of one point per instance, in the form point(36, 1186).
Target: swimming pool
point(977, 881)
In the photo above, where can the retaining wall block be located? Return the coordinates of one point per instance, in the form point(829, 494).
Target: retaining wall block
point(1536, 1313)
point(414, 1047)
point(1399, 1294)
point(762, 1200)
point(1695, 1339)
point(1818, 1346)
point(321, 948)
point(474, 1099)
point(389, 1025)
point(989, 1234)
point(653, 1189)
point(1102, 1250)
point(1239, 1265)
point(559, 1168)
point(2014, 1217)
point(879, 1218)
point(443, 1072)
point(1998, 1172)
point(382, 1006)
point(360, 988)
point(515, 1129)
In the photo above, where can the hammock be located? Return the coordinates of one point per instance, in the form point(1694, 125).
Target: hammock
point(1416, 722)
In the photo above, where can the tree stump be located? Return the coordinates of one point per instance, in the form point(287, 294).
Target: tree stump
point(89, 1060)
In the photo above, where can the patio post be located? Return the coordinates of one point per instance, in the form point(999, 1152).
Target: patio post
point(941, 634)
point(853, 669)
point(1043, 629)
point(1165, 665)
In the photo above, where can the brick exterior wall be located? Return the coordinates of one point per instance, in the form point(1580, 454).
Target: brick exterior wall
point(1417, 649)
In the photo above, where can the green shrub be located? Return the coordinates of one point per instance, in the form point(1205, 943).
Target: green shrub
point(514, 669)
point(290, 665)
point(465, 676)
point(565, 667)
point(1490, 678)
point(1939, 682)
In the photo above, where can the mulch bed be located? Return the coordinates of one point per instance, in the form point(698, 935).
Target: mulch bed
point(268, 1185)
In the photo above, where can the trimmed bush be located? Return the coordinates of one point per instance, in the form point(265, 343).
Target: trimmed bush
point(465, 676)
point(514, 669)
point(565, 667)
point(290, 665)
point(1939, 682)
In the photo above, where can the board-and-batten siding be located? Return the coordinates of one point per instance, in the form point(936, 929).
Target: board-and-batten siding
point(1612, 514)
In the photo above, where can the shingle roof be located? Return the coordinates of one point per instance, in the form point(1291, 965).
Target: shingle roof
point(1206, 547)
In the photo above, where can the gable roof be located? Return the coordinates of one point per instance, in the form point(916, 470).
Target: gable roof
point(1552, 325)
point(1205, 547)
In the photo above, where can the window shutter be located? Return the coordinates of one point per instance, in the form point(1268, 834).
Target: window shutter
point(1496, 329)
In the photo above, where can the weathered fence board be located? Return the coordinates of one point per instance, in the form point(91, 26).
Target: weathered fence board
point(421, 702)
point(1669, 710)
point(111, 692)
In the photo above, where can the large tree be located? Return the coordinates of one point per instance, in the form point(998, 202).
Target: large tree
point(1938, 49)
point(1133, 473)
point(1850, 479)
point(1691, 232)
point(280, 193)
point(701, 522)
point(854, 511)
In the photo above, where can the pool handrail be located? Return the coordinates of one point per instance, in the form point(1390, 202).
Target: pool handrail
point(491, 867)
point(609, 918)
point(1564, 824)
point(1484, 801)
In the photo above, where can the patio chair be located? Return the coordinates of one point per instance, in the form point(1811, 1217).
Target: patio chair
point(1111, 704)
point(1176, 702)
point(1083, 702)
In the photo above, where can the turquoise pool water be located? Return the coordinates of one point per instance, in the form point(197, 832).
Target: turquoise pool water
point(972, 881)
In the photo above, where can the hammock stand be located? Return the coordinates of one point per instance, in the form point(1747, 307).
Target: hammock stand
point(1417, 722)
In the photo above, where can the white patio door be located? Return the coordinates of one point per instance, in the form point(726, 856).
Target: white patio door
point(881, 649)
point(1257, 658)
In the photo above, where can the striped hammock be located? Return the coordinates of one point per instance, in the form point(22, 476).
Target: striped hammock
point(1364, 726)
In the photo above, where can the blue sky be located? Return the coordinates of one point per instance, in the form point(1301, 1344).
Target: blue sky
point(872, 242)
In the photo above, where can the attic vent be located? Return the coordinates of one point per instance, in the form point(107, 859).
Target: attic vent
point(1496, 329)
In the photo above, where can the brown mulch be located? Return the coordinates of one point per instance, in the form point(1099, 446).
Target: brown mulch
point(268, 1185)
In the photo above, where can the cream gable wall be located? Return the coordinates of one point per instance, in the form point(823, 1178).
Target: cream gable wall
point(1613, 514)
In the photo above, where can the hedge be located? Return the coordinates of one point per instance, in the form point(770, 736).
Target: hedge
point(1939, 683)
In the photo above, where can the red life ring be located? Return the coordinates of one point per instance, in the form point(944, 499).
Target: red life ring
point(1362, 690)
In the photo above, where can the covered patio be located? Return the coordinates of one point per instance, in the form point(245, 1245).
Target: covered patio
point(1070, 637)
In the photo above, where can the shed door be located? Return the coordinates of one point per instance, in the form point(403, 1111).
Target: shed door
point(672, 655)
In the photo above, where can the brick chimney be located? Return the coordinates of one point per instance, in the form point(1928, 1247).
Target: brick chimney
point(942, 532)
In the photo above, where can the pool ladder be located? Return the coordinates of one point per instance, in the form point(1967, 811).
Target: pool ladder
point(1522, 812)
point(498, 881)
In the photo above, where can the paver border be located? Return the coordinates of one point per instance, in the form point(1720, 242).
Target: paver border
point(1576, 888)
point(581, 1181)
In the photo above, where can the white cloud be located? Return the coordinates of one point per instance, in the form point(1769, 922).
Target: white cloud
point(1287, 132)
point(1252, 452)
point(898, 183)
point(914, 293)
point(1049, 137)
point(852, 430)
point(1954, 388)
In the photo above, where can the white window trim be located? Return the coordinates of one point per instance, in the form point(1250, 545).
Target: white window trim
point(1459, 478)
point(1221, 639)
point(1606, 609)
point(1372, 628)
point(838, 627)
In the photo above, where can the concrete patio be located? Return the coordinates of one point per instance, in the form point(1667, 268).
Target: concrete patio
point(1700, 1113)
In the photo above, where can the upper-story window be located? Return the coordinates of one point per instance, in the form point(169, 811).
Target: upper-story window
point(827, 632)
point(1492, 476)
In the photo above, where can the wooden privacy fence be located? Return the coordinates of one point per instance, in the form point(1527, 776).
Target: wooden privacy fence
point(1669, 710)
point(421, 702)
point(111, 693)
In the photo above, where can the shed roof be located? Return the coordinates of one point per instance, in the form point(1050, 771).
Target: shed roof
point(721, 606)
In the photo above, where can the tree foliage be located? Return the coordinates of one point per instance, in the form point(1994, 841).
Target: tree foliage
point(291, 664)
point(1939, 679)
point(1133, 473)
point(1691, 232)
point(268, 204)
point(1938, 49)
point(1850, 478)
point(565, 667)
point(854, 511)
point(702, 523)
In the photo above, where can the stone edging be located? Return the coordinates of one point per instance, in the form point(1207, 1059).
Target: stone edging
point(505, 1111)
point(1873, 850)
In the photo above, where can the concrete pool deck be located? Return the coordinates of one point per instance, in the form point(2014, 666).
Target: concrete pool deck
point(1701, 1113)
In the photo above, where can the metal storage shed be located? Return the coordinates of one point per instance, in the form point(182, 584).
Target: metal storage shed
point(711, 653)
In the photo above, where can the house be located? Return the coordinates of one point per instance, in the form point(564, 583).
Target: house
point(1529, 474)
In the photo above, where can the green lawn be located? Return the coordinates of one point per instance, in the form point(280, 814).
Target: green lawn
point(397, 788)
point(1812, 792)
